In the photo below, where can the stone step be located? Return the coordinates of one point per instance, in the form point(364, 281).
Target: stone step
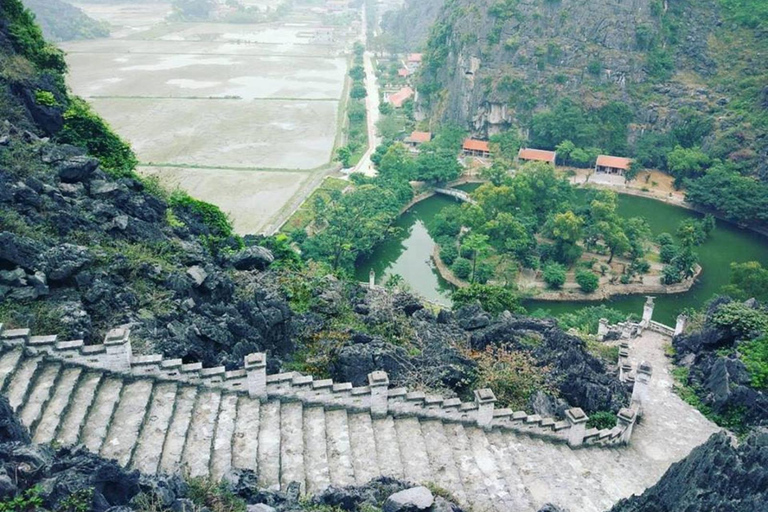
point(338, 448)
point(68, 432)
point(387, 448)
point(361, 438)
point(445, 473)
point(54, 410)
point(39, 394)
point(472, 478)
point(503, 446)
point(173, 447)
point(149, 446)
point(315, 454)
point(221, 458)
point(413, 453)
point(127, 421)
point(245, 444)
point(269, 446)
point(9, 361)
point(196, 460)
point(292, 445)
point(100, 415)
point(20, 381)
point(486, 463)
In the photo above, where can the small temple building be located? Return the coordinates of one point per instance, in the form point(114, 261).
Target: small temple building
point(612, 165)
point(536, 155)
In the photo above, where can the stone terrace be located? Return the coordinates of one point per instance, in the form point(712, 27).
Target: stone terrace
point(160, 415)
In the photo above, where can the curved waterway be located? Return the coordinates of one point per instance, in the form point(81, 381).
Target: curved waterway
point(408, 254)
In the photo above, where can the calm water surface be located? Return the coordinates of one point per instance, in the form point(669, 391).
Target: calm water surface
point(408, 254)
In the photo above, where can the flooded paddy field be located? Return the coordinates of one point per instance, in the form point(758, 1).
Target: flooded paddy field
point(245, 116)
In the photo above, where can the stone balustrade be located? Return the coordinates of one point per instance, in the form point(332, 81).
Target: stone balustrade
point(115, 355)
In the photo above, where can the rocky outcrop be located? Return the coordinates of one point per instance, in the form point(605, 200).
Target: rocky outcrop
point(408, 28)
point(717, 374)
point(715, 476)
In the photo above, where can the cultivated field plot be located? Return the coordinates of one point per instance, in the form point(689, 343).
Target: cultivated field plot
point(202, 102)
point(226, 133)
point(193, 75)
point(250, 197)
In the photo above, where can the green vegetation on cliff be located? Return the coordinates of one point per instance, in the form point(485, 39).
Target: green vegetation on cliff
point(61, 21)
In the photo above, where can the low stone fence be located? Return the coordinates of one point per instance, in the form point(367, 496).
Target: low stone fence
point(115, 355)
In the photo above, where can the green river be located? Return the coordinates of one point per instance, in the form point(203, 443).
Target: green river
point(408, 254)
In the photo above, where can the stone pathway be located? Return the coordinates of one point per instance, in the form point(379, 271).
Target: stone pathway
point(158, 425)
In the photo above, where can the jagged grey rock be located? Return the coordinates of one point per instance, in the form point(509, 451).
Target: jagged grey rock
point(410, 500)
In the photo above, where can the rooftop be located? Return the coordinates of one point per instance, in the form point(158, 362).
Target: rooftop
point(539, 155)
point(419, 137)
point(477, 145)
point(614, 162)
point(414, 57)
point(397, 99)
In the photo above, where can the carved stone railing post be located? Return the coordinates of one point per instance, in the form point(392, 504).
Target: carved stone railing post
point(626, 421)
point(642, 387)
point(256, 374)
point(485, 400)
point(680, 325)
point(647, 312)
point(602, 328)
point(577, 419)
point(372, 279)
point(117, 345)
point(379, 383)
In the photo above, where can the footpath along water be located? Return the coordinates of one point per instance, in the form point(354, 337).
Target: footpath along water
point(408, 254)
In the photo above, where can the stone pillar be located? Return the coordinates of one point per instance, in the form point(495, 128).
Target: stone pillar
point(682, 322)
point(626, 421)
point(647, 311)
point(577, 419)
point(485, 400)
point(118, 348)
point(641, 390)
point(256, 374)
point(602, 328)
point(379, 383)
point(371, 278)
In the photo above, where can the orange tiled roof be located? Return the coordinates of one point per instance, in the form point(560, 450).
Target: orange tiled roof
point(477, 145)
point(414, 57)
point(614, 162)
point(420, 137)
point(397, 99)
point(539, 155)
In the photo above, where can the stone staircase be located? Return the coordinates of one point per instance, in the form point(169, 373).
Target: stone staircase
point(158, 415)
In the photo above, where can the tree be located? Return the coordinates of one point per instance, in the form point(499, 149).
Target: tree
point(505, 145)
point(554, 275)
point(357, 72)
point(389, 127)
point(197, 9)
point(497, 174)
point(436, 164)
point(462, 268)
point(748, 280)
point(493, 299)
point(564, 151)
point(358, 91)
point(343, 156)
point(588, 281)
point(638, 233)
point(478, 244)
point(397, 163)
point(615, 238)
point(686, 163)
point(634, 168)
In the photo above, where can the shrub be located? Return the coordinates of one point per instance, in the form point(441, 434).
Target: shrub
point(216, 497)
point(586, 320)
point(483, 272)
point(493, 299)
point(448, 254)
point(740, 319)
point(211, 215)
point(30, 499)
point(667, 253)
point(513, 376)
point(462, 268)
point(588, 281)
point(554, 275)
point(754, 354)
point(45, 98)
point(601, 420)
point(84, 128)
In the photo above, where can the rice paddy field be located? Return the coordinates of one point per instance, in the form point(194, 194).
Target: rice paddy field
point(242, 115)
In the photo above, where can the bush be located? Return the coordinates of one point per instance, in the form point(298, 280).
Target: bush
point(588, 281)
point(586, 320)
point(754, 354)
point(741, 319)
point(601, 420)
point(84, 128)
point(554, 275)
point(493, 299)
point(483, 272)
point(211, 215)
point(462, 268)
point(667, 253)
point(448, 254)
point(45, 98)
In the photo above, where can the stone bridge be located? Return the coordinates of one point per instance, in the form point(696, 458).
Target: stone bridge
point(159, 415)
point(457, 194)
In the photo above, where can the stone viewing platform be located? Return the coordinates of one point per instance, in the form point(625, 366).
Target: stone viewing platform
point(161, 415)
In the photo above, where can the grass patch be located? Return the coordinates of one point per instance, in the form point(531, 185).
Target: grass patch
point(601, 350)
point(304, 216)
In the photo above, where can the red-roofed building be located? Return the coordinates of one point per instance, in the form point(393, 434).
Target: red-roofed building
point(537, 155)
point(416, 139)
point(403, 73)
point(612, 165)
point(397, 99)
point(478, 148)
point(415, 58)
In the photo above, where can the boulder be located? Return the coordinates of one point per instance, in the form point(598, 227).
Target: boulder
point(197, 274)
point(252, 258)
point(19, 250)
point(260, 507)
point(410, 500)
point(64, 261)
point(14, 278)
point(76, 169)
point(55, 153)
point(11, 430)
